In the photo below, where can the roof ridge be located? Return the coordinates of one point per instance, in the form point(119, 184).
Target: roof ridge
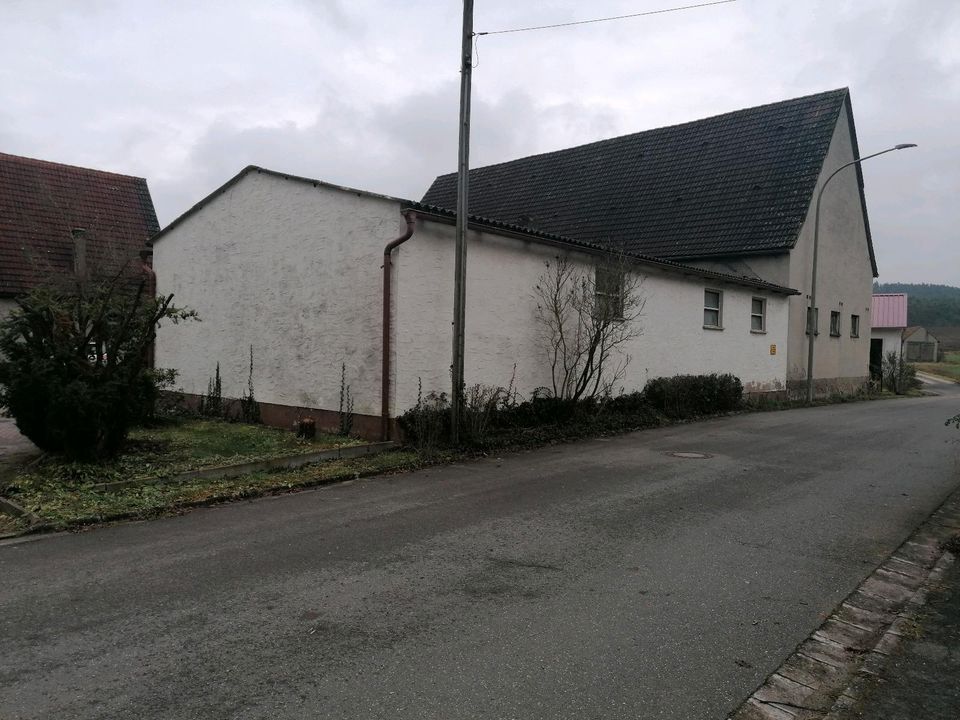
point(52, 164)
point(729, 113)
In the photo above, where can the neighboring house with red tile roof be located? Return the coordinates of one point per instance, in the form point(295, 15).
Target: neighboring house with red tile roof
point(733, 193)
point(54, 216)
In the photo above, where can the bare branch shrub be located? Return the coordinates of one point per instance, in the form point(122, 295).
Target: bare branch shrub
point(587, 317)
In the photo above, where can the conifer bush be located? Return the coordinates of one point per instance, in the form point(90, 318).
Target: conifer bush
point(74, 370)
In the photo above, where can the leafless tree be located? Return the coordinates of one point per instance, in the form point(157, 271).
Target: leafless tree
point(587, 316)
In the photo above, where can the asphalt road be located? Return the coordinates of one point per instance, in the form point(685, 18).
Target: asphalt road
point(605, 579)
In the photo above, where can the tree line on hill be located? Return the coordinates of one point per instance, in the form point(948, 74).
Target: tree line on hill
point(928, 305)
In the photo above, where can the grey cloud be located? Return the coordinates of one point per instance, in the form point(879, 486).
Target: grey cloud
point(393, 149)
point(365, 93)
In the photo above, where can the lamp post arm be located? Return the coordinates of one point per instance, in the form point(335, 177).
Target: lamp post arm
point(845, 166)
point(812, 307)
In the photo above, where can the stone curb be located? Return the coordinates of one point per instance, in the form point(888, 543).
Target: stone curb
point(286, 462)
point(877, 659)
point(9, 507)
point(826, 673)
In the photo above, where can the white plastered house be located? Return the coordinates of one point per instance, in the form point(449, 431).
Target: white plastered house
point(733, 193)
point(294, 268)
point(716, 214)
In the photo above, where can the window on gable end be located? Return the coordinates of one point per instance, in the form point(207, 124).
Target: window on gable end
point(834, 323)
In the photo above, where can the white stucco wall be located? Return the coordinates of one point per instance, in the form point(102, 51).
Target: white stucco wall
point(291, 268)
point(844, 273)
point(294, 269)
point(502, 329)
point(891, 338)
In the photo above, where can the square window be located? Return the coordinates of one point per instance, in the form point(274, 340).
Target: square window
point(712, 308)
point(608, 294)
point(834, 323)
point(758, 315)
point(813, 320)
point(855, 326)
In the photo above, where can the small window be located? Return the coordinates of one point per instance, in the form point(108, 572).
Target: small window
point(854, 326)
point(813, 320)
point(608, 291)
point(835, 323)
point(712, 309)
point(758, 315)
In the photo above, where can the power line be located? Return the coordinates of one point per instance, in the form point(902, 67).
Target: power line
point(606, 19)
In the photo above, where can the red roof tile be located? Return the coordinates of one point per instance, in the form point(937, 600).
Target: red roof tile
point(41, 202)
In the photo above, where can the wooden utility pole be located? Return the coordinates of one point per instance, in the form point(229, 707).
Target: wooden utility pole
point(463, 179)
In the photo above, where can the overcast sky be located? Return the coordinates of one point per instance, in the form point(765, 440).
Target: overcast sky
point(364, 92)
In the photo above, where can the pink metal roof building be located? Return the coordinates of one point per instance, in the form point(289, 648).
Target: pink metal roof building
point(889, 310)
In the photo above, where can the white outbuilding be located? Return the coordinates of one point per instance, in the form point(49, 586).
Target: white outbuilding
point(296, 270)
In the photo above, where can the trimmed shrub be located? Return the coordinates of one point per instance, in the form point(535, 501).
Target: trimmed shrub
point(685, 396)
point(541, 409)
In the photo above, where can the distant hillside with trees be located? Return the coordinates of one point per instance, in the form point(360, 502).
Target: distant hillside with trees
point(927, 305)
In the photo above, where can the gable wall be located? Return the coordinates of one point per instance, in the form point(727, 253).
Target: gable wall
point(502, 328)
point(844, 276)
point(290, 268)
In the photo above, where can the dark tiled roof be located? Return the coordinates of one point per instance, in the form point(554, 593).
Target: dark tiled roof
point(476, 221)
point(41, 202)
point(728, 185)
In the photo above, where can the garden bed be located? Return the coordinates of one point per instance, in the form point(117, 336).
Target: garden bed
point(64, 493)
point(63, 506)
point(179, 446)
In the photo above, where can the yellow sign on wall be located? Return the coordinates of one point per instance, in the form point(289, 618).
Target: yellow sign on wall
point(773, 349)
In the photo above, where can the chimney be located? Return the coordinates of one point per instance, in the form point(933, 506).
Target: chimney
point(79, 253)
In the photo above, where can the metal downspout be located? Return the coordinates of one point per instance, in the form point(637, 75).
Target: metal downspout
point(411, 218)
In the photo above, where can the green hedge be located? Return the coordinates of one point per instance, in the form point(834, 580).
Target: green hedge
point(502, 420)
point(686, 396)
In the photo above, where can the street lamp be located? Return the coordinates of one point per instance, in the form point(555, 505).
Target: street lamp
point(812, 308)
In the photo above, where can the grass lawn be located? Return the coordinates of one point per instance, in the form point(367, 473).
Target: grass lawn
point(949, 368)
point(64, 505)
point(62, 494)
point(178, 446)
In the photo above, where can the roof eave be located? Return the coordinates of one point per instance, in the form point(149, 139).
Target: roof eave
point(449, 217)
